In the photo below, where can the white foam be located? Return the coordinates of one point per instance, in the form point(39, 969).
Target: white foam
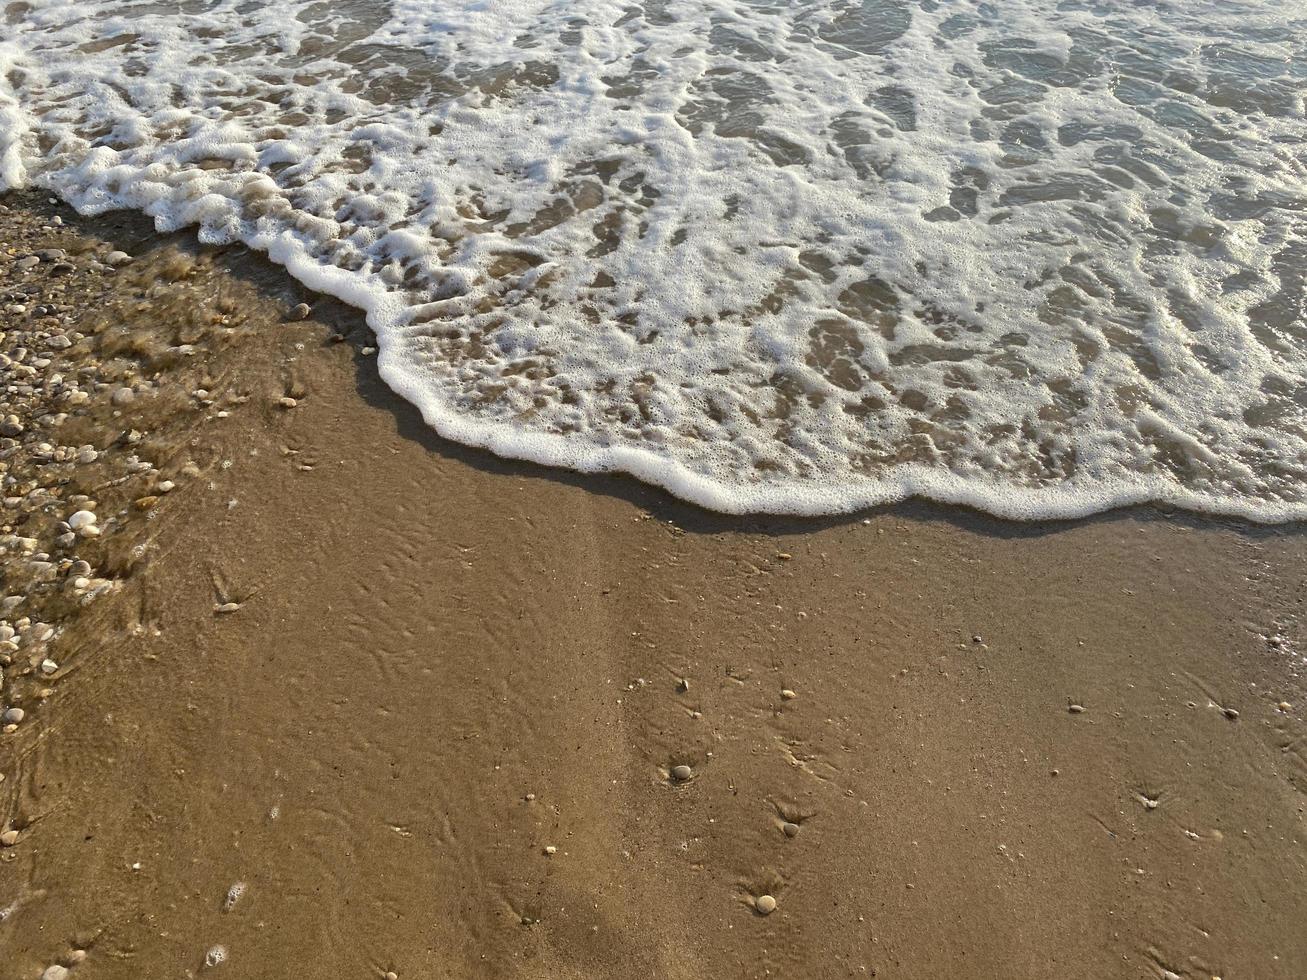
point(1041, 258)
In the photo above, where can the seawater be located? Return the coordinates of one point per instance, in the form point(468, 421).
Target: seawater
point(1042, 258)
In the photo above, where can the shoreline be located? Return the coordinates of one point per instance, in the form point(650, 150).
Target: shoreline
point(441, 664)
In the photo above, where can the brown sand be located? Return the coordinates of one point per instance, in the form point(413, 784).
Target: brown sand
point(442, 665)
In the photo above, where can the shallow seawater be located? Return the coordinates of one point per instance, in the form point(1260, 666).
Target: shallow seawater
point(1042, 258)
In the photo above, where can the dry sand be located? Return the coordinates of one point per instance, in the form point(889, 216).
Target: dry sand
point(436, 735)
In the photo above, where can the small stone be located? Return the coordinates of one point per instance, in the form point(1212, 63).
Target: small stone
point(287, 402)
point(233, 896)
point(55, 972)
point(82, 518)
point(301, 312)
point(1075, 709)
point(784, 556)
point(27, 262)
point(682, 686)
point(367, 351)
point(122, 396)
point(13, 716)
point(765, 904)
point(9, 838)
point(117, 258)
point(682, 773)
point(791, 829)
point(1230, 713)
point(215, 956)
point(166, 486)
point(551, 850)
point(227, 607)
point(11, 426)
point(787, 694)
point(391, 975)
point(75, 957)
point(49, 667)
point(146, 503)
point(1285, 706)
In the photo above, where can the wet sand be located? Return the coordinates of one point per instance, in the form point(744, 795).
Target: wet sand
point(354, 700)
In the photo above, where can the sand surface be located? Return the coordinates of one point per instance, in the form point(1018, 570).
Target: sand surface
point(436, 735)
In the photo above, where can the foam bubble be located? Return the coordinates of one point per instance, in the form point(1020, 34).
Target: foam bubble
point(1042, 258)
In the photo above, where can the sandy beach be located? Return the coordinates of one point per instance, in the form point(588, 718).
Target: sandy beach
point(316, 694)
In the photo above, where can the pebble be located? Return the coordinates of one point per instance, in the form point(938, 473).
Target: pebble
point(227, 607)
point(233, 896)
point(48, 667)
point(287, 402)
point(301, 312)
point(682, 686)
point(13, 716)
point(1285, 706)
point(122, 396)
point(391, 975)
point(9, 838)
point(55, 972)
point(787, 694)
point(1075, 709)
point(27, 262)
point(82, 519)
point(682, 773)
point(1230, 713)
point(166, 486)
point(11, 426)
point(216, 955)
point(791, 829)
point(765, 904)
point(551, 850)
point(117, 258)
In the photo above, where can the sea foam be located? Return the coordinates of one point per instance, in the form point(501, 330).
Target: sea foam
point(1041, 258)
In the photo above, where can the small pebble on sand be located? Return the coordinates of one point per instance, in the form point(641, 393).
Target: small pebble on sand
point(1285, 706)
point(13, 716)
point(215, 956)
point(1075, 709)
point(1230, 713)
point(117, 258)
point(787, 694)
point(287, 402)
point(55, 972)
point(765, 904)
point(9, 838)
point(301, 311)
point(682, 773)
point(233, 896)
point(122, 396)
point(790, 829)
point(682, 686)
point(551, 850)
point(48, 667)
point(227, 607)
point(391, 975)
